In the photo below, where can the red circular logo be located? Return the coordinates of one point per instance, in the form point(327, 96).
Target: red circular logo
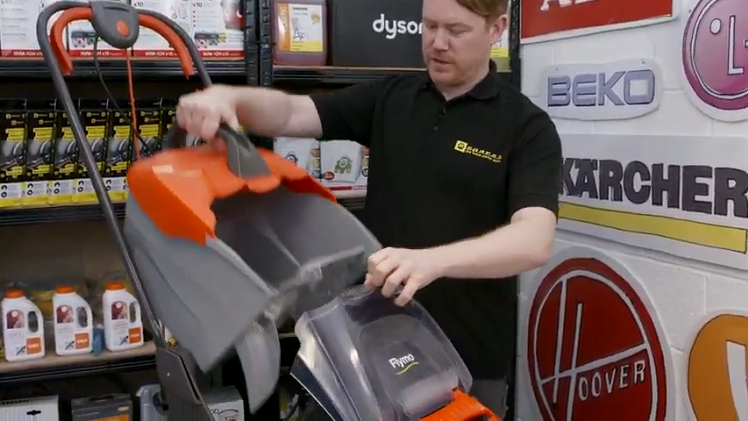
point(593, 349)
point(715, 53)
point(328, 175)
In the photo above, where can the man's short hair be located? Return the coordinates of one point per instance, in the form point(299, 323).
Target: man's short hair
point(489, 9)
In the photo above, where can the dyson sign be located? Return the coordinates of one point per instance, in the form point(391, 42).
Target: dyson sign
point(611, 91)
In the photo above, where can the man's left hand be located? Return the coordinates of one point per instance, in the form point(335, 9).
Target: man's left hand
point(391, 267)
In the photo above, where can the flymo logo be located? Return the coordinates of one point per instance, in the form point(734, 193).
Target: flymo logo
point(611, 91)
point(717, 387)
point(392, 28)
point(593, 348)
point(463, 147)
point(403, 364)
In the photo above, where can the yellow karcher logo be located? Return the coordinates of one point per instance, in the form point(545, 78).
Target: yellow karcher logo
point(463, 147)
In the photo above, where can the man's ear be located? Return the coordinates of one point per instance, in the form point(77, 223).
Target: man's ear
point(498, 27)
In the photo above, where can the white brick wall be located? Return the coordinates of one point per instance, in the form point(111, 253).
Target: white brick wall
point(682, 291)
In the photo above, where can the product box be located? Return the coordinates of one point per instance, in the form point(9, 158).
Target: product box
point(12, 151)
point(150, 43)
point(119, 150)
point(104, 408)
point(225, 404)
point(389, 29)
point(18, 27)
point(344, 166)
point(217, 28)
point(300, 32)
point(40, 123)
point(303, 152)
point(168, 118)
point(149, 127)
point(64, 160)
point(36, 409)
point(81, 39)
point(94, 116)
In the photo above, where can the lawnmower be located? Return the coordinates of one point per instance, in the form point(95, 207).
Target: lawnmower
point(223, 247)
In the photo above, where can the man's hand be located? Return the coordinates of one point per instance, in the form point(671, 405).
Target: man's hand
point(390, 268)
point(200, 113)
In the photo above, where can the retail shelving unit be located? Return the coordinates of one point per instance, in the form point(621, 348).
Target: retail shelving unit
point(24, 78)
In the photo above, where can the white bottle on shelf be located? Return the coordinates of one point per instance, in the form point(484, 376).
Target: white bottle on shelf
point(123, 327)
point(23, 328)
point(73, 322)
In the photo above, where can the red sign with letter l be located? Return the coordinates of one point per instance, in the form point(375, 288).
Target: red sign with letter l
point(551, 17)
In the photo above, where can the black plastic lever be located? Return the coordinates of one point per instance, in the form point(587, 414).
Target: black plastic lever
point(243, 159)
point(117, 24)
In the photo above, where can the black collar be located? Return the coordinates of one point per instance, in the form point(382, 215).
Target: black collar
point(485, 89)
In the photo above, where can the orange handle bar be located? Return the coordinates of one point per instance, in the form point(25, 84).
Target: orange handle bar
point(114, 21)
point(463, 408)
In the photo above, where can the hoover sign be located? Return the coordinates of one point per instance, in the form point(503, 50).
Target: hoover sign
point(594, 349)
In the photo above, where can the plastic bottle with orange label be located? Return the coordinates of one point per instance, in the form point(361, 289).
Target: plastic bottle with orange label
point(23, 328)
point(123, 326)
point(73, 321)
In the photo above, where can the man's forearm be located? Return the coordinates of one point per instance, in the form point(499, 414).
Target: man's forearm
point(507, 251)
point(264, 112)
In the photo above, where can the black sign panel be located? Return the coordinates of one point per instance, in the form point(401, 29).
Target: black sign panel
point(375, 33)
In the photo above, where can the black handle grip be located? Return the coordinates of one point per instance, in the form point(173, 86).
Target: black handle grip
point(243, 159)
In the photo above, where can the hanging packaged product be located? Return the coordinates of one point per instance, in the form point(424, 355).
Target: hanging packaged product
point(342, 166)
point(12, 151)
point(150, 43)
point(40, 124)
point(64, 160)
point(82, 38)
point(18, 27)
point(73, 322)
point(23, 330)
point(123, 326)
point(375, 33)
point(94, 116)
point(299, 151)
point(217, 28)
point(300, 32)
point(118, 150)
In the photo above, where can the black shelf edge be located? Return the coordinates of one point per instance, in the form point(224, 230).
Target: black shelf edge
point(79, 369)
point(335, 75)
point(18, 69)
point(93, 212)
point(54, 214)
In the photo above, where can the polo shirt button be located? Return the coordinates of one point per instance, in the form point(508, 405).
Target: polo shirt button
point(436, 128)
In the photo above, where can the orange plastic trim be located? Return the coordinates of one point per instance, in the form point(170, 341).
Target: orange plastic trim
point(176, 188)
point(463, 408)
point(85, 13)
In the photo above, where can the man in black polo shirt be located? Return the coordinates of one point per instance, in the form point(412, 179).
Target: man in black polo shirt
point(464, 174)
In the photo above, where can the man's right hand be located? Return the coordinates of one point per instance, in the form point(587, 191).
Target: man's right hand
point(200, 113)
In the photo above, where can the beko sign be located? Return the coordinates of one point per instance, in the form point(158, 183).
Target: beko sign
point(611, 91)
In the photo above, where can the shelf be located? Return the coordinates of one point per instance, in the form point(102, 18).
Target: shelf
point(54, 367)
point(335, 75)
point(50, 214)
point(84, 68)
point(78, 213)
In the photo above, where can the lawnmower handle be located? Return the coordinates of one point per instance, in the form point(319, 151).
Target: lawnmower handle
point(118, 24)
point(243, 159)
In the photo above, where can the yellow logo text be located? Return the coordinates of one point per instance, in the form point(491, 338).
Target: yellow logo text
point(463, 147)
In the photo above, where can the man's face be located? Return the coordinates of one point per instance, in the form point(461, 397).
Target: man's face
point(456, 42)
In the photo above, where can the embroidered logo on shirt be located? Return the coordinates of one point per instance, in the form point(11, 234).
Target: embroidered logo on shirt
point(463, 147)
